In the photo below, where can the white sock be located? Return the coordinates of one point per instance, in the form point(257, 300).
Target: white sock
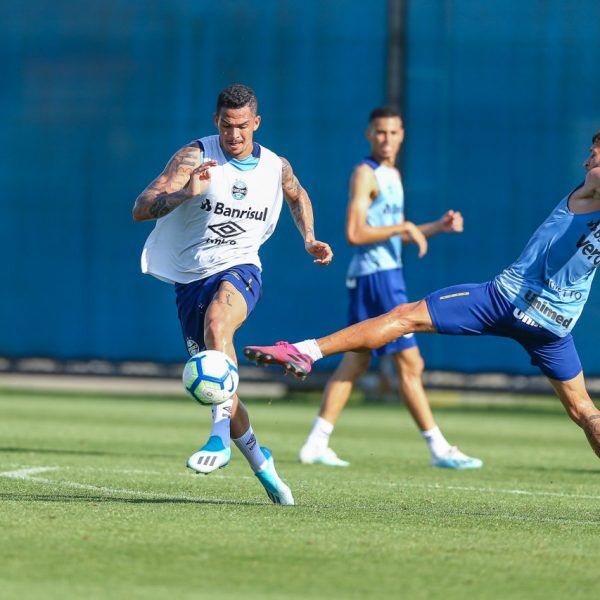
point(319, 434)
point(438, 445)
point(250, 448)
point(311, 348)
point(221, 414)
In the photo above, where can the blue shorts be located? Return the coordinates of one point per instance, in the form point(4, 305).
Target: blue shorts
point(194, 298)
point(480, 309)
point(372, 296)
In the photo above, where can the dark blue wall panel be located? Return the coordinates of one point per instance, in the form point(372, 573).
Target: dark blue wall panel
point(502, 101)
point(98, 97)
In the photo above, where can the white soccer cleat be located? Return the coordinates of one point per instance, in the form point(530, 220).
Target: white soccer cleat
point(455, 459)
point(278, 492)
point(309, 455)
point(212, 456)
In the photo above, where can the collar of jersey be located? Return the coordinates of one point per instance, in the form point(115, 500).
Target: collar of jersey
point(248, 163)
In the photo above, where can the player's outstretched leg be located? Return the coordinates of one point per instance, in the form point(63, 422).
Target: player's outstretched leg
point(289, 356)
point(373, 333)
point(580, 408)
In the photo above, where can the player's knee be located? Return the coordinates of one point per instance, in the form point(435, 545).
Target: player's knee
point(360, 366)
point(353, 366)
point(578, 410)
point(412, 369)
point(216, 328)
point(402, 316)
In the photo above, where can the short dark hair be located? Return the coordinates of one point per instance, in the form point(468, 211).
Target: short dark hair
point(237, 96)
point(384, 112)
point(596, 139)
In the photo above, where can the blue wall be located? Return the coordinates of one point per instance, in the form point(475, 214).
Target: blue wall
point(502, 102)
point(97, 96)
point(100, 95)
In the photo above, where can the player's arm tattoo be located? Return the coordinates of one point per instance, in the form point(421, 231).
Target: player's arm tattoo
point(298, 201)
point(166, 192)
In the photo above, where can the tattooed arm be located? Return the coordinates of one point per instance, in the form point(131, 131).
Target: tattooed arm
point(302, 213)
point(184, 176)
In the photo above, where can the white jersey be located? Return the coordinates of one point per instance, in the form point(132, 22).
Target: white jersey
point(221, 228)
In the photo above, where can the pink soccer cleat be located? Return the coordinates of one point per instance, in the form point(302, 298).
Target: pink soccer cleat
point(282, 353)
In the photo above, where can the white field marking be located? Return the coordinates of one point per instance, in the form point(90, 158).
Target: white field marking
point(431, 486)
point(468, 488)
point(87, 469)
point(26, 473)
point(29, 475)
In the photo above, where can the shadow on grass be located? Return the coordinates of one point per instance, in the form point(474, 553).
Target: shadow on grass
point(542, 469)
point(19, 497)
point(83, 452)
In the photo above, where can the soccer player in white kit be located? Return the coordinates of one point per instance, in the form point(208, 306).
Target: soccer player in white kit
point(215, 203)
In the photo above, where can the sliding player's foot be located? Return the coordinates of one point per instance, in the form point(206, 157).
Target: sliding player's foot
point(283, 354)
point(455, 459)
point(321, 456)
point(278, 492)
point(212, 456)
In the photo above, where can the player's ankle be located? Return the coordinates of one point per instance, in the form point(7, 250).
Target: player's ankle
point(438, 445)
point(310, 348)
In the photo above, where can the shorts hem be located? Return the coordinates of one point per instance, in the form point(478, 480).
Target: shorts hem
point(432, 314)
point(564, 377)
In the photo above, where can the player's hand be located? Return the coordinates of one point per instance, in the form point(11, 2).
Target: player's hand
point(452, 222)
point(320, 250)
point(200, 179)
point(417, 236)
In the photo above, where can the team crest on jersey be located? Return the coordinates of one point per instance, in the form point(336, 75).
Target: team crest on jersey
point(239, 189)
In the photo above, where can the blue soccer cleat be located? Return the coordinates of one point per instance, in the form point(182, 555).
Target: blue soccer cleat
point(212, 456)
point(455, 459)
point(278, 492)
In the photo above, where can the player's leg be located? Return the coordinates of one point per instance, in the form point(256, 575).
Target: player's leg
point(466, 309)
point(225, 313)
point(580, 408)
point(410, 366)
point(364, 336)
point(558, 359)
point(337, 391)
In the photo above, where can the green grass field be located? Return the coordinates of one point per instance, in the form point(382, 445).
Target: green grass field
point(97, 503)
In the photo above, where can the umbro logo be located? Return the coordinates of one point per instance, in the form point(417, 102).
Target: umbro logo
point(251, 443)
point(227, 230)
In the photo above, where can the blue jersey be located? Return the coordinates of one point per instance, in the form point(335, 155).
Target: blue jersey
point(386, 209)
point(550, 281)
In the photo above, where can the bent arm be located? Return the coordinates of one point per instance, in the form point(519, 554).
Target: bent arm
point(431, 229)
point(363, 187)
point(450, 222)
point(298, 201)
point(168, 190)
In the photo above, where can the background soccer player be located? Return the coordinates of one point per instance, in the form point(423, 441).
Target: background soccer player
point(375, 225)
point(536, 301)
point(217, 200)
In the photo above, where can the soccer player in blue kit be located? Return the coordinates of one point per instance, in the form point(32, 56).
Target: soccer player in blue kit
point(536, 301)
point(376, 227)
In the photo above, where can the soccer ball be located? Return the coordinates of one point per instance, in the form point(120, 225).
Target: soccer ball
point(211, 377)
